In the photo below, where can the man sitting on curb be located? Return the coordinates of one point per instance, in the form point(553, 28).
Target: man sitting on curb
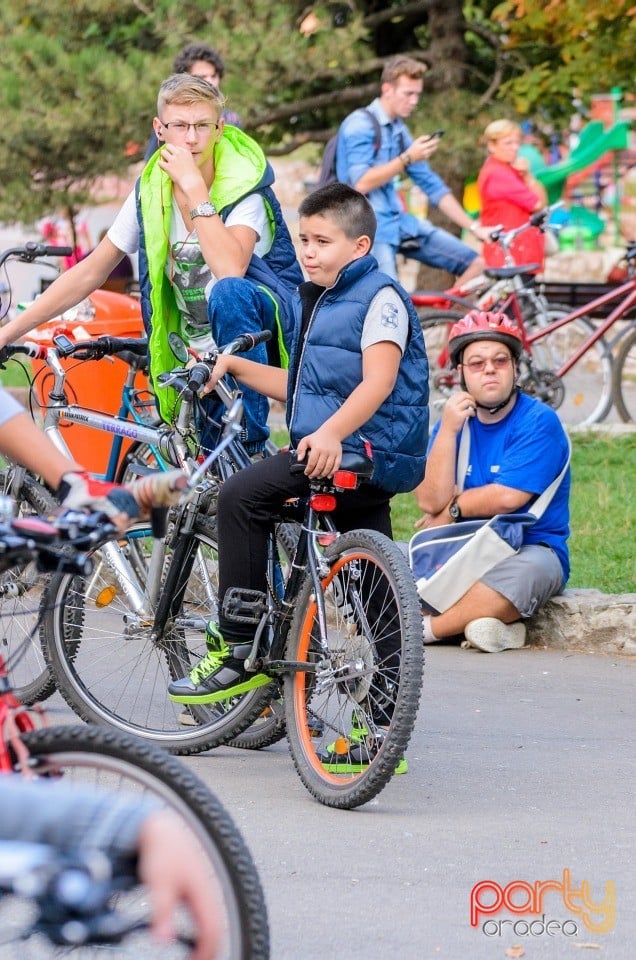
point(518, 447)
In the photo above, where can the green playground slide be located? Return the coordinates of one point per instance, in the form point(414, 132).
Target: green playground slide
point(593, 143)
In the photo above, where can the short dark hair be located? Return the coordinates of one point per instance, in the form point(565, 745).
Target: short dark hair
point(349, 208)
point(198, 51)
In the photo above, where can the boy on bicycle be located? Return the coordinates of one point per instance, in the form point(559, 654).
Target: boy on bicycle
point(357, 382)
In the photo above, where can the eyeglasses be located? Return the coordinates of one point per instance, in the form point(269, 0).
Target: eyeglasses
point(500, 362)
point(181, 128)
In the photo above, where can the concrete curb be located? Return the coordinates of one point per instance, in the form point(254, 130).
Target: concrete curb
point(588, 621)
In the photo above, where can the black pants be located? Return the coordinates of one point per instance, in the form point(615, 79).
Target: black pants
point(248, 502)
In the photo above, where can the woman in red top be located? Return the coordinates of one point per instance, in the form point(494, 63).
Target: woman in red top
point(509, 194)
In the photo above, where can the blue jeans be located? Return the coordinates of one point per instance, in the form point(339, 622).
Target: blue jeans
point(433, 246)
point(238, 306)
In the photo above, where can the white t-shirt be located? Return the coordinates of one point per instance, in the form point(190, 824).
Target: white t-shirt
point(185, 266)
point(386, 319)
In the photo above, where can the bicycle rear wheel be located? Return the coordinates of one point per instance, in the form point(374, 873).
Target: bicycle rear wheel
point(624, 380)
point(584, 394)
point(366, 680)
point(20, 594)
point(112, 668)
point(113, 761)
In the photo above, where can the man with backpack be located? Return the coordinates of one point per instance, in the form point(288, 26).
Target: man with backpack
point(374, 146)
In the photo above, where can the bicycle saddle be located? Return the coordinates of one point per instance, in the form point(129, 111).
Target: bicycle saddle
point(505, 273)
point(351, 463)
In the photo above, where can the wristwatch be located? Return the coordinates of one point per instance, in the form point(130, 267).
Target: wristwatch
point(205, 209)
point(454, 511)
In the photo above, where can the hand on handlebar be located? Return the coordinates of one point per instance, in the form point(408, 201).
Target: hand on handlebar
point(79, 491)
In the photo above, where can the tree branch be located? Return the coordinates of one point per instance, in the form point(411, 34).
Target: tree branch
point(392, 13)
point(286, 110)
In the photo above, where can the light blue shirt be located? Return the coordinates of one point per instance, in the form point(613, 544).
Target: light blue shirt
point(356, 153)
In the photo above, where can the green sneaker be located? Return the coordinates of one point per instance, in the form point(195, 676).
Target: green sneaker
point(353, 754)
point(219, 675)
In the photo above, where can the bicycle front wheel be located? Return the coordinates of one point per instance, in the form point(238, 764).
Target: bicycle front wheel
point(624, 380)
point(583, 395)
point(110, 665)
point(351, 713)
point(20, 594)
point(109, 760)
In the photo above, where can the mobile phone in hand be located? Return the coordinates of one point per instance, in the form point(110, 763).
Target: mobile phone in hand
point(436, 133)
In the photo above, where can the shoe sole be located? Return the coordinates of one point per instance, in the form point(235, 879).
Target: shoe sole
point(260, 680)
point(511, 640)
point(344, 767)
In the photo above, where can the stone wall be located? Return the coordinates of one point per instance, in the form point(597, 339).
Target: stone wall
point(587, 620)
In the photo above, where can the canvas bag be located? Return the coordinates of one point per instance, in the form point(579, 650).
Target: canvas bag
point(446, 561)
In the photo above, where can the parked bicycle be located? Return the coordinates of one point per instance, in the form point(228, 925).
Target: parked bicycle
point(567, 360)
point(117, 918)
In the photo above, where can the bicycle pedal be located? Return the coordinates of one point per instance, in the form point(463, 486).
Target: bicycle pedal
point(244, 606)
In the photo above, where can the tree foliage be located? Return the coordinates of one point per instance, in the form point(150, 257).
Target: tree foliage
point(568, 47)
point(78, 80)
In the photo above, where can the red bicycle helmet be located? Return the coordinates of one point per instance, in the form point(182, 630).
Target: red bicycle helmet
point(483, 325)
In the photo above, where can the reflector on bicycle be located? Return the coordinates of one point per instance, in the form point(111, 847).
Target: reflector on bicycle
point(345, 480)
point(322, 502)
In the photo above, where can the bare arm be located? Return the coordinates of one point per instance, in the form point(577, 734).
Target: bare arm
point(438, 487)
point(68, 289)
point(380, 364)
point(270, 381)
point(24, 442)
point(226, 250)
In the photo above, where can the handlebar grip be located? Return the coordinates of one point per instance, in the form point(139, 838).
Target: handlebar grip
point(247, 341)
point(199, 375)
point(48, 251)
point(27, 348)
point(115, 345)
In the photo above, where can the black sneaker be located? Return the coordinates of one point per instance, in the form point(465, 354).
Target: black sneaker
point(220, 675)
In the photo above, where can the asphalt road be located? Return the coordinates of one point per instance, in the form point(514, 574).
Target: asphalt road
point(522, 767)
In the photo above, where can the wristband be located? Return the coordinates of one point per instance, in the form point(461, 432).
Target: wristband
point(405, 158)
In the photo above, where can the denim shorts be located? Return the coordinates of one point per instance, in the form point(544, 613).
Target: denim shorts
point(433, 246)
point(528, 579)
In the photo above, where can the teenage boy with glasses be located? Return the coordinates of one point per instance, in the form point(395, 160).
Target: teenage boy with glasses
point(215, 256)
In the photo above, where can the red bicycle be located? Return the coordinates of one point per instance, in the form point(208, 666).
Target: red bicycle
point(567, 361)
point(108, 759)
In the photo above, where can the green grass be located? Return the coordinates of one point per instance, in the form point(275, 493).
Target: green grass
point(602, 506)
point(603, 513)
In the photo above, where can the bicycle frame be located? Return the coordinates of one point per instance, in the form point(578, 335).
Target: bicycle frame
point(628, 290)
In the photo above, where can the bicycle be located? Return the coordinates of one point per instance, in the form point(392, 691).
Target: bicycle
point(567, 362)
point(116, 608)
point(342, 636)
point(110, 759)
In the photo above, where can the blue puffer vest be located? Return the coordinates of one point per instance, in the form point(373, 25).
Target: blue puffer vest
point(327, 367)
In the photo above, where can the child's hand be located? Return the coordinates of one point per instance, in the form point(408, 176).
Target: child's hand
point(323, 451)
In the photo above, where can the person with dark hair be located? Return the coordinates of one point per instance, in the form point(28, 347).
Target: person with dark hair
point(357, 382)
point(371, 163)
point(199, 60)
point(518, 447)
point(215, 256)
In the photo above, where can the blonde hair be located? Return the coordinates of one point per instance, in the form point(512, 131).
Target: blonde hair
point(184, 89)
point(402, 66)
point(500, 128)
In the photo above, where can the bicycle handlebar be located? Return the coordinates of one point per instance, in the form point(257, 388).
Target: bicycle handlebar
point(101, 347)
point(538, 219)
point(32, 250)
point(199, 374)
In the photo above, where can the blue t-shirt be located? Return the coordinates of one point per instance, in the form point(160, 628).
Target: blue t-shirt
point(526, 450)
